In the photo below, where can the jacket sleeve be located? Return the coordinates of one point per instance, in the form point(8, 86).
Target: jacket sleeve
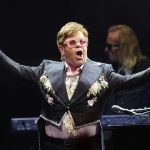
point(22, 71)
point(116, 80)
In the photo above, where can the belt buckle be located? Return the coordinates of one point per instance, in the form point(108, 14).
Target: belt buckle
point(67, 142)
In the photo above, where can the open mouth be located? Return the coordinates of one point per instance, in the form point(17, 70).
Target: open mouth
point(79, 54)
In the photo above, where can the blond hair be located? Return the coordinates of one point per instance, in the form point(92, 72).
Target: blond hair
point(129, 45)
point(68, 30)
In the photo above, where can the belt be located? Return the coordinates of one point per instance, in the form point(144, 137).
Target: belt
point(71, 141)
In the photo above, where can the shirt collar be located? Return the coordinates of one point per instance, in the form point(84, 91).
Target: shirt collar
point(68, 70)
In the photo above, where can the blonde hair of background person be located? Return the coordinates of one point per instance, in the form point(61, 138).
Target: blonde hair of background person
point(130, 53)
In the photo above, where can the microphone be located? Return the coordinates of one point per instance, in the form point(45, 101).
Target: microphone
point(120, 110)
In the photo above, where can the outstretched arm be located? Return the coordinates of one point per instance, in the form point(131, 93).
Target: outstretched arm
point(27, 72)
point(124, 82)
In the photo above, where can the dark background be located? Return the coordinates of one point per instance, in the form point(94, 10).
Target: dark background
point(28, 35)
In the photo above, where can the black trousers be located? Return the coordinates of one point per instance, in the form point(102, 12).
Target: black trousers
point(88, 143)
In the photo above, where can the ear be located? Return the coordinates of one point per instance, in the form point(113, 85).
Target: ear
point(61, 49)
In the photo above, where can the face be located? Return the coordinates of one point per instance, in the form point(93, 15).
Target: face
point(74, 50)
point(112, 46)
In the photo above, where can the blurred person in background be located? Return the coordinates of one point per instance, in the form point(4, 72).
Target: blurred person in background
point(124, 53)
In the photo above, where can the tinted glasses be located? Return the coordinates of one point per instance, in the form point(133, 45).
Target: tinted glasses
point(71, 43)
point(112, 46)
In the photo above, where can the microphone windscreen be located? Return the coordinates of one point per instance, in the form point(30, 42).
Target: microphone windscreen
point(117, 109)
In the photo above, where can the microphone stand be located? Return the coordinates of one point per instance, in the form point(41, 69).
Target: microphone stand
point(136, 112)
point(142, 115)
point(142, 111)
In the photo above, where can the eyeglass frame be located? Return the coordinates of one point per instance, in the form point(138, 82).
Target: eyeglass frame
point(111, 46)
point(67, 42)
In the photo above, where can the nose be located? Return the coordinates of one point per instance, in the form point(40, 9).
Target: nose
point(78, 44)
